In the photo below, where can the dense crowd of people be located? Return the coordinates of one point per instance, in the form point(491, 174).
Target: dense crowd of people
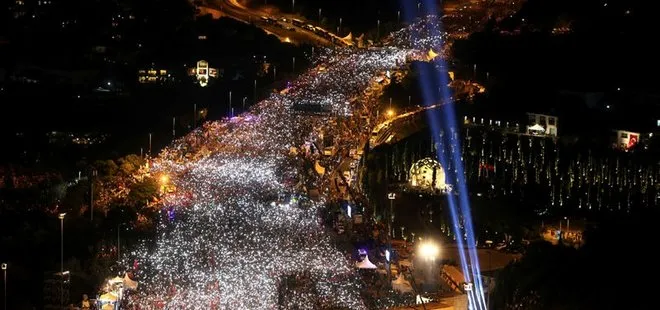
point(240, 222)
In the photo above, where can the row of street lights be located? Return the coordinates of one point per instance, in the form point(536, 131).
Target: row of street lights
point(4, 271)
point(61, 216)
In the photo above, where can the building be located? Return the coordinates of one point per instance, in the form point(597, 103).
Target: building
point(625, 140)
point(428, 175)
point(202, 72)
point(541, 124)
point(154, 76)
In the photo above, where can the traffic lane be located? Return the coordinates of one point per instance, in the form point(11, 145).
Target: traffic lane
point(283, 34)
point(298, 36)
point(236, 10)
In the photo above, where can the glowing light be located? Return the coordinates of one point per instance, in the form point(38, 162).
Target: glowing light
point(243, 225)
point(428, 250)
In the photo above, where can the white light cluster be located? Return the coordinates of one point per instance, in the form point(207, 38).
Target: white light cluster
point(236, 255)
point(422, 35)
point(238, 235)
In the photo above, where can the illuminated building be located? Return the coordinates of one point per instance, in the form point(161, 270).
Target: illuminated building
point(541, 124)
point(427, 174)
point(202, 72)
point(154, 76)
point(625, 140)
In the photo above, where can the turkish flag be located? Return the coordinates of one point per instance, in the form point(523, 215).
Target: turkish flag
point(632, 141)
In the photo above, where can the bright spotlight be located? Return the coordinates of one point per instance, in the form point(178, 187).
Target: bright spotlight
point(429, 250)
point(390, 113)
point(164, 179)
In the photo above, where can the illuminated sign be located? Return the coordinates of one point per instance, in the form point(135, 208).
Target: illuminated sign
point(202, 73)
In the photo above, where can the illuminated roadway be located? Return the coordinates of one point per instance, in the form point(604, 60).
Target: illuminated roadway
point(236, 10)
point(383, 132)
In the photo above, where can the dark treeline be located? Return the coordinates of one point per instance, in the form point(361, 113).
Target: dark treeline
point(552, 53)
point(544, 174)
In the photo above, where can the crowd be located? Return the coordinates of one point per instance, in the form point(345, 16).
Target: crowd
point(240, 224)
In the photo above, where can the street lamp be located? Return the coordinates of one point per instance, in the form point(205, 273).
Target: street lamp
point(4, 271)
point(119, 243)
point(91, 194)
point(378, 31)
point(61, 217)
point(429, 250)
point(230, 100)
point(390, 197)
point(255, 92)
point(390, 113)
point(389, 265)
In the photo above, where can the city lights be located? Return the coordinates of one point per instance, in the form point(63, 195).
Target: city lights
point(239, 224)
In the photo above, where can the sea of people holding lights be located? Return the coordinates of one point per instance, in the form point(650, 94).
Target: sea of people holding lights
point(240, 222)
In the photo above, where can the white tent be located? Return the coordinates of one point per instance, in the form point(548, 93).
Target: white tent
point(424, 300)
point(360, 41)
point(130, 284)
point(349, 37)
point(115, 280)
point(536, 127)
point(431, 55)
point(365, 264)
point(319, 169)
point(401, 284)
point(110, 297)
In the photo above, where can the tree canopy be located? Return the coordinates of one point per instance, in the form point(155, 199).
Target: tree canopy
point(608, 272)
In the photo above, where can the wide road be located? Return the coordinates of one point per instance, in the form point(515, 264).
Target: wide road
point(236, 10)
point(388, 131)
point(241, 221)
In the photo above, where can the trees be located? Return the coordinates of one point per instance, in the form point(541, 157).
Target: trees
point(142, 192)
point(106, 167)
point(130, 164)
point(76, 199)
point(596, 276)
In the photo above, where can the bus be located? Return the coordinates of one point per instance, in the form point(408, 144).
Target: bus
point(297, 22)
